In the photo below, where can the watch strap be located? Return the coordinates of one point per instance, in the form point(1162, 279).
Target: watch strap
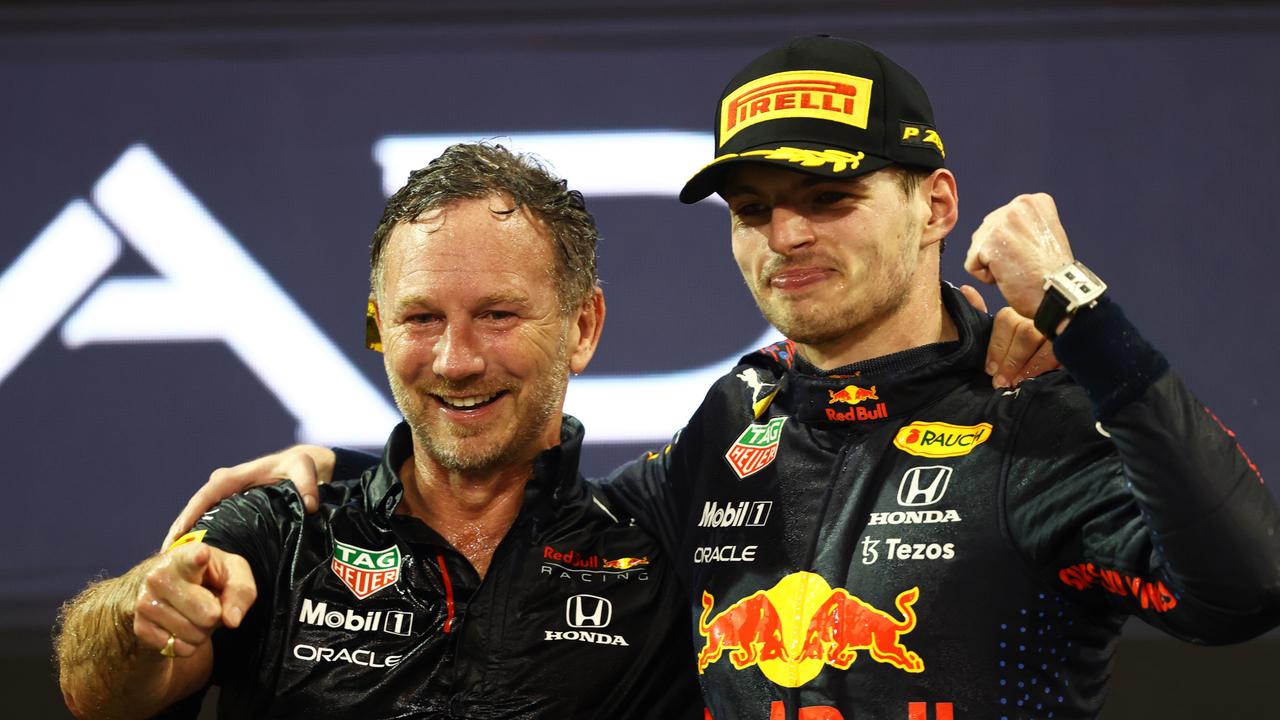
point(1052, 310)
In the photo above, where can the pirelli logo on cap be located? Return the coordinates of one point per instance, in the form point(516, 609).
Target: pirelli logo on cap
point(813, 94)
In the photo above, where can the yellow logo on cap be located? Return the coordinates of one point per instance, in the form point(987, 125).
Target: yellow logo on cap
point(838, 159)
point(921, 135)
point(813, 94)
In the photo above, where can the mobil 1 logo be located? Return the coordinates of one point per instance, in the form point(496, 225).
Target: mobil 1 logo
point(739, 514)
point(319, 614)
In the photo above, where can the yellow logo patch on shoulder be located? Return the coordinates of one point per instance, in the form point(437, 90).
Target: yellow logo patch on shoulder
point(814, 94)
point(940, 439)
point(193, 536)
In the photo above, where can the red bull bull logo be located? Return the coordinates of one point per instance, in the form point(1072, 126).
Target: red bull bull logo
point(800, 625)
point(853, 395)
point(626, 563)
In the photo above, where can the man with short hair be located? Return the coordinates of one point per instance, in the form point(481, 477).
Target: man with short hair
point(864, 526)
point(472, 573)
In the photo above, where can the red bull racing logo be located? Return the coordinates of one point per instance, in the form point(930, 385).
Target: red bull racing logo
point(854, 395)
point(797, 627)
point(755, 448)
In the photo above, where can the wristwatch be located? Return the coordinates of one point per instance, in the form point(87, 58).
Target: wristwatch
point(1066, 290)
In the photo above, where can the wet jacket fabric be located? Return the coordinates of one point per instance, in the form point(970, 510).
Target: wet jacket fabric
point(897, 540)
point(365, 613)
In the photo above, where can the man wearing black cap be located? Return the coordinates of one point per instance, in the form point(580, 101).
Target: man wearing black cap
point(865, 527)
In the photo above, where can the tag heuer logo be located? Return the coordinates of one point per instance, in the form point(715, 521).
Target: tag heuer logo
point(755, 448)
point(365, 572)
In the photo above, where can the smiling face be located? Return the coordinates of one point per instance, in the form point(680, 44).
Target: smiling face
point(477, 350)
point(830, 261)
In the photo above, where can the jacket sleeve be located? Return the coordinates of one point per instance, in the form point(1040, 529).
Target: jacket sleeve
point(249, 525)
point(351, 464)
point(1155, 510)
point(656, 486)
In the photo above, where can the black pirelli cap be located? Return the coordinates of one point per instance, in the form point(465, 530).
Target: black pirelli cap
point(821, 105)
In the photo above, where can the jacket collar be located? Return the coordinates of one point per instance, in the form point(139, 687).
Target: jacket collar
point(554, 481)
point(884, 388)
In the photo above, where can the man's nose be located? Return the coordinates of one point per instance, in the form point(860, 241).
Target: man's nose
point(458, 354)
point(789, 230)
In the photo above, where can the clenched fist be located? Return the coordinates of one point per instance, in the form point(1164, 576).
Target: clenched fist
point(1016, 246)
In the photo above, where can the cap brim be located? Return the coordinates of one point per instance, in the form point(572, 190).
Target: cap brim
point(808, 158)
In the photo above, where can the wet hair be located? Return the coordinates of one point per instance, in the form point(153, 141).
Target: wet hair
point(468, 171)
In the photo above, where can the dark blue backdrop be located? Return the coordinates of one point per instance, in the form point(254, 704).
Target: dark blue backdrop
point(1153, 127)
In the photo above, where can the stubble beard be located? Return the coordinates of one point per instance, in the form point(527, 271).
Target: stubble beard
point(448, 445)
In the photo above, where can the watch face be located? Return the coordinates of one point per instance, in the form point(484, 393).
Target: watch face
point(1077, 284)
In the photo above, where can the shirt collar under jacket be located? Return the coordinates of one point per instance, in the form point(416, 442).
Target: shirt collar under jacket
point(554, 482)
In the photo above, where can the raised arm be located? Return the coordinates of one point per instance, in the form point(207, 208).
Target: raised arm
point(1157, 510)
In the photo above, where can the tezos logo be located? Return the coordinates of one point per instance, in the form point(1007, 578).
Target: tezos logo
point(365, 572)
point(396, 622)
point(755, 448)
point(895, 549)
point(940, 439)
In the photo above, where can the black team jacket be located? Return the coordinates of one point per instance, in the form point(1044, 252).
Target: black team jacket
point(363, 613)
point(895, 540)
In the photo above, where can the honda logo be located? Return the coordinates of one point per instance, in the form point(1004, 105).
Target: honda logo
point(588, 611)
point(923, 485)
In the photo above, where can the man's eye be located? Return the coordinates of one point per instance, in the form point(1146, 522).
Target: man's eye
point(421, 318)
point(829, 197)
point(750, 209)
point(498, 315)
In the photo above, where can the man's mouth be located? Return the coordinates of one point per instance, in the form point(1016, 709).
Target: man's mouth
point(469, 402)
point(795, 278)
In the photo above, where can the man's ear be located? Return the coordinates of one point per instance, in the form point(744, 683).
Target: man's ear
point(584, 334)
point(939, 191)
